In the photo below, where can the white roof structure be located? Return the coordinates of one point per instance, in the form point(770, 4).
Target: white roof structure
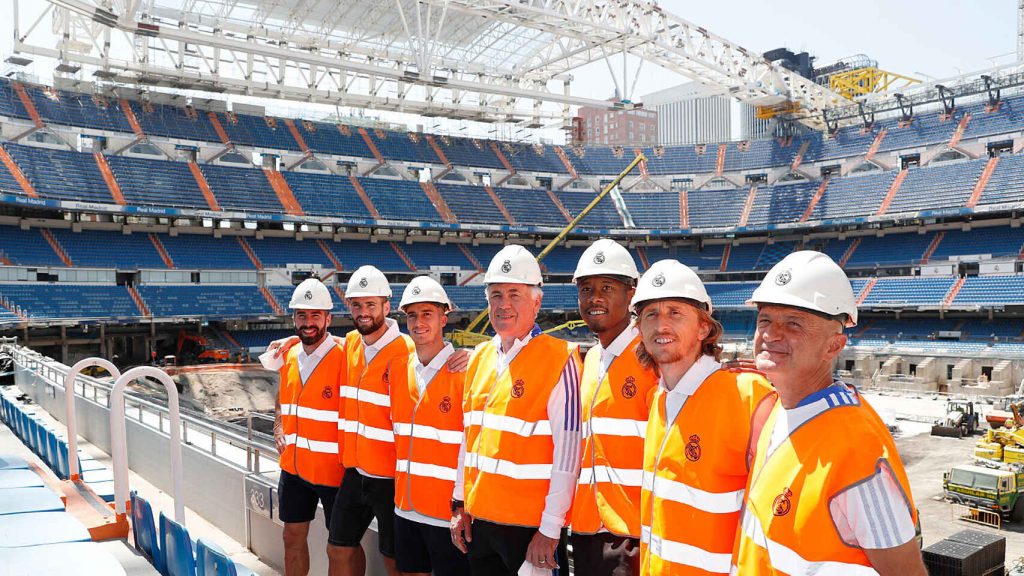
point(484, 60)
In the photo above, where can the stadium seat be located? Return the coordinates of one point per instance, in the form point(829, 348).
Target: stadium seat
point(78, 558)
point(40, 528)
point(33, 499)
point(212, 561)
point(144, 531)
point(176, 548)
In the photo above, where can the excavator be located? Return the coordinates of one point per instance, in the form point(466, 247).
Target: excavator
point(1001, 412)
point(194, 347)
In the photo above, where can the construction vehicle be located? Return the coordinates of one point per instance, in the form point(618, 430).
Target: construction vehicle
point(193, 348)
point(960, 420)
point(996, 489)
point(1004, 444)
point(475, 332)
point(1001, 413)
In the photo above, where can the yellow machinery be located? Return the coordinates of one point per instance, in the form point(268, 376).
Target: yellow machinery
point(570, 325)
point(1004, 444)
point(865, 78)
point(475, 332)
point(868, 80)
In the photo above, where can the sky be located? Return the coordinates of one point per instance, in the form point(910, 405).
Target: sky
point(921, 38)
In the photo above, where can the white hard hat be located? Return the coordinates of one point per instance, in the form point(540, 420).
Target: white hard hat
point(514, 264)
point(311, 294)
point(606, 257)
point(424, 289)
point(809, 280)
point(368, 281)
point(670, 279)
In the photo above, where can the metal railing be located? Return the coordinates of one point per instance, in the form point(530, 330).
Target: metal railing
point(260, 451)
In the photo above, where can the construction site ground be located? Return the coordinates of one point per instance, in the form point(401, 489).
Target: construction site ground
point(927, 457)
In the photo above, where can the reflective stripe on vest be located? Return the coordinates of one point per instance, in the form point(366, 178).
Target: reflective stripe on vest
point(309, 418)
point(508, 434)
point(695, 472)
point(787, 524)
point(365, 426)
point(428, 429)
point(614, 413)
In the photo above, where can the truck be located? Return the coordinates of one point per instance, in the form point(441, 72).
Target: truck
point(961, 420)
point(996, 489)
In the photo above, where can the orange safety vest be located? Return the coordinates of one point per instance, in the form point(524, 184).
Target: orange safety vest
point(428, 434)
point(695, 472)
point(787, 526)
point(365, 424)
point(615, 413)
point(309, 418)
point(509, 448)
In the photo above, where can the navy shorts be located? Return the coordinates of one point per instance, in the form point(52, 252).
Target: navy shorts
point(297, 499)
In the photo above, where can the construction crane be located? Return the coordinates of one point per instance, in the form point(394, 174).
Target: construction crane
point(475, 332)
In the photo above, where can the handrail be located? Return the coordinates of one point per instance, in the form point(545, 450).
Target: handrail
point(119, 440)
point(69, 407)
point(256, 445)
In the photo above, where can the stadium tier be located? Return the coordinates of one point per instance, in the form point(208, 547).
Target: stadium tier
point(960, 184)
point(323, 184)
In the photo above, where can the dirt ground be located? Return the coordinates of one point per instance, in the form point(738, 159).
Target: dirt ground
point(926, 458)
point(226, 394)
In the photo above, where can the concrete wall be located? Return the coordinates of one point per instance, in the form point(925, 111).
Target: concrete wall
point(212, 488)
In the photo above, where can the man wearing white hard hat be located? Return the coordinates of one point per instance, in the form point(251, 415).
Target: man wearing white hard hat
point(616, 394)
point(695, 451)
point(522, 434)
point(364, 425)
point(426, 408)
point(827, 492)
point(305, 424)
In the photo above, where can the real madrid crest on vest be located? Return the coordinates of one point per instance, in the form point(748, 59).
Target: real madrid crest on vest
point(629, 387)
point(446, 405)
point(506, 266)
point(782, 504)
point(693, 448)
point(327, 392)
point(518, 388)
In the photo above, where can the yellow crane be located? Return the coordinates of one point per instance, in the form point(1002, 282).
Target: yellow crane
point(474, 333)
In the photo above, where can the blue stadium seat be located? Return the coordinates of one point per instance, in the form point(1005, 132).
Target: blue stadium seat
point(176, 547)
point(144, 531)
point(212, 561)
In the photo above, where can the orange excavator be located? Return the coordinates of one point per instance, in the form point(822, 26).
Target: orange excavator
point(197, 348)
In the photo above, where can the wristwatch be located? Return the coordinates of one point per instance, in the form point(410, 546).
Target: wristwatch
point(456, 504)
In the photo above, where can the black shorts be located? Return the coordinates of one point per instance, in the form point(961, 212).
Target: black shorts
point(605, 554)
point(361, 499)
point(422, 548)
point(297, 499)
point(500, 550)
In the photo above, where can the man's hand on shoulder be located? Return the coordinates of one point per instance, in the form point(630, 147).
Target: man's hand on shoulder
point(458, 361)
point(281, 347)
